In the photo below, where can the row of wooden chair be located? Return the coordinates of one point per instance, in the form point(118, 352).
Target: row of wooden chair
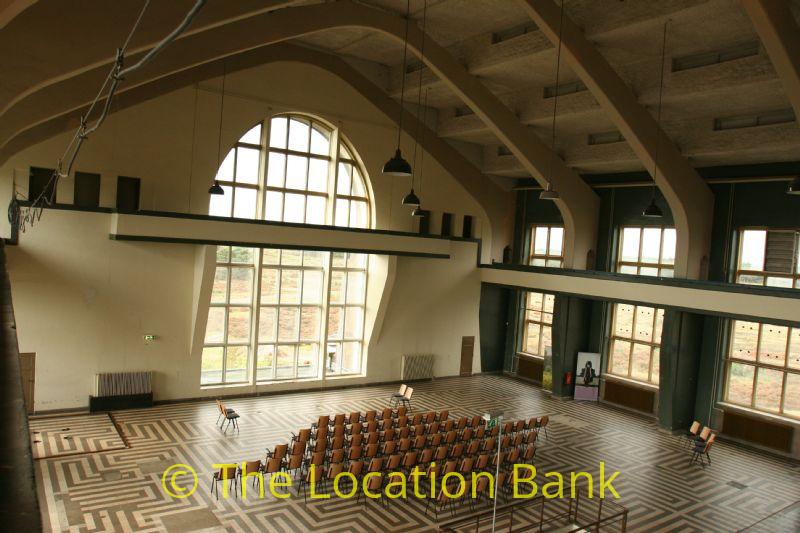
point(700, 442)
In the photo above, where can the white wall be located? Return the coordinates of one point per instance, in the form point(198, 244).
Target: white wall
point(83, 302)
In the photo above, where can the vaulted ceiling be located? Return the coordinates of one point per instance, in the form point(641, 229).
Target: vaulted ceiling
point(723, 103)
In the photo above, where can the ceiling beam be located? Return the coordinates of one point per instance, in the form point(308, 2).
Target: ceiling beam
point(780, 34)
point(579, 205)
point(689, 198)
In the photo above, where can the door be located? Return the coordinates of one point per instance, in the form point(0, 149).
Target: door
point(128, 194)
point(467, 350)
point(27, 369)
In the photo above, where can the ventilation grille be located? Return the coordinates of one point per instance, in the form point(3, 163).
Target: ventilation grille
point(564, 88)
point(606, 137)
point(510, 33)
point(781, 116)
point(122, 384)
point(718, 56)
point(417, 367)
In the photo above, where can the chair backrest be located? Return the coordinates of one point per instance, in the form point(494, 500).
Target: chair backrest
point(480, 431)
point(320, 445)
point(507, 427)
point(226, 472)
point(694, 428)
point(298, 448)
point(402, 420)
point(482, 461)
point(354, 453)
point(389, 447)
point(280, 450)
point(444, 415)
point(251, 467)
point(375, 464)
point(304, 435)
point(427, 455)
point(462, 422)
point(317, 458)
point(405, 444)
point(409, 393)
point(295, 461)
point(410, 459)
point(544, 421)
point(323, 420)
point(449, 425)
point(369, 416)
point(419, 429)
point(476, 421)
point(402, 390)
point(354, 417)
point(394, 461)
point(337, 443)
point(338, 420)
point(450, 466)
point(372, 426)
point(389, 434)
point(705, 433)
point(417, 420)
point(337, 456)
point(434, 469)
point(451, 436)
point(530, 451)
point(430, 418)
point(334, 469)
point(356, 467)
point(458, 450)
point(387, 413)
point(273, 465)
point(371, 451)
point(419, 441)
point(466, 434)
point(338, 431)
point(433, 428)
point(488, 444)
point(355, 429)
point(531, 438)
point(436, 439)
point(401, 411)
point(373, 437)
point(314, 474)
point(467, 464)
point(356, 440)
point(472, 449)
point(520, 425)
point(710, 441)
point(405, 431)
point(441, 453)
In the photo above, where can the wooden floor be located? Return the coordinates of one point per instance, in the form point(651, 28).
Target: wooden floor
point(121, 490)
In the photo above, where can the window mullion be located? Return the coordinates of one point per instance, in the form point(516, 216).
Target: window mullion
point(256, 287)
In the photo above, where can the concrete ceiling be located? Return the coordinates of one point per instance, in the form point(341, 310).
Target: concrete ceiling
point(497, 42)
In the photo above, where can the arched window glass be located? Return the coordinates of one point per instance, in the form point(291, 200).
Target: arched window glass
point(267, 312)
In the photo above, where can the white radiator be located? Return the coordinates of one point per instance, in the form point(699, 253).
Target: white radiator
point(417, 367)
point(122, 383)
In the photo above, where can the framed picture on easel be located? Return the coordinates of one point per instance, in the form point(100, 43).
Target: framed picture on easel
point(587, 376)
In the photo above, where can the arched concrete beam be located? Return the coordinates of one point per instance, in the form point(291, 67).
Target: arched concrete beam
point(497, 203)
point(578, 204)
point(780, 33)
point(11, 8)
point(689, 198)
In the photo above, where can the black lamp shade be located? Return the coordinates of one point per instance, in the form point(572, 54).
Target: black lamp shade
point(549, 194)
point(397, 166)
point(652, 210)
point(216, 189)
point(418, 212)
point(794, 186)
point(411, 199)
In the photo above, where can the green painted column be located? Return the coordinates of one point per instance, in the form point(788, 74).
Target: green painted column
point(571, 325)
point(681, 352)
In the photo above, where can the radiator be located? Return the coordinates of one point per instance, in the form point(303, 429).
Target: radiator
point(122, 383)
point(417, 367)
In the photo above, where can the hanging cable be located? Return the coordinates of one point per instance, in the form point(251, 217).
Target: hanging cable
point(411, 198)
point(658, 113)
point(33, 211)
point(555, 99)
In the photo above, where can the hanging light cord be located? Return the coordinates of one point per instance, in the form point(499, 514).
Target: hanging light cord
point(658, 113)
point(422, 136)
point(221, 109)
point(419, 90)
point(191, 156)
point(33, 212)
point(555, 100)
point(403, 74)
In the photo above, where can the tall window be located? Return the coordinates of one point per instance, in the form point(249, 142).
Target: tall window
point(538, 327)
point(769, 257)
point(763, 368)
point(547, 246)
point(635, 345)
point(269, 308)
point(227, 341)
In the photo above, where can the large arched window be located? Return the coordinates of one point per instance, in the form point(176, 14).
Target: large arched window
point(288, 314)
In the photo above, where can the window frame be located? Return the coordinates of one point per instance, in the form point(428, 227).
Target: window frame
point(632, 340)
point(639, 264)
point(232, 185)
point(547, 256)
point(765, 274)
point(540, 323)
point(757, 365)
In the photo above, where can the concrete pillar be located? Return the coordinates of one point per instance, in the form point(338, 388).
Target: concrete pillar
point(681, 348)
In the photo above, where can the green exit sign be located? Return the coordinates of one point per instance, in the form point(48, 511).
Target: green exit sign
point(149, 338)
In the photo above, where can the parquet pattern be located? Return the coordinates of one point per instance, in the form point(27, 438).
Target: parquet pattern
point(71, 435)
point(121, 490)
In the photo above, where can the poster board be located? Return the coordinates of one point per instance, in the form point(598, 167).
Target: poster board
point(587, 376)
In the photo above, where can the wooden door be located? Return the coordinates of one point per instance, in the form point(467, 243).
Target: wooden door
point(27, 369)
point(467, 350)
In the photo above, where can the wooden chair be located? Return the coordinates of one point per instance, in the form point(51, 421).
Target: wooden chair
point(386, 414)
point(354, 453)
point(450, 437)
point(354, 417)
point(443, 415)
point(322, 421)
point(369, 416)
point(395, 399)
point(312, 476)
point(449, 425)
point(304, 435)
point(441, 453)
point(356, 440)
point(371, 427)
point(389, 447)
point(230, 416)
point(417, 420)
point(401, 411)
point(476, 421)
point(690, 435)
point(222, 412)
point(402, 421)
point(462, 423)
point(410, 461)
point(435, 439)
point(406, 399)
point(375, 484)
point(430, 417)
point(704, 434)
point(473, 447)
point(457, 451)
point(371, 451)
point(433, 428)
point(394, 462)
point(389, 434)
point(334, 469)
point(354, 429)
point(336, 456)
point(519, 427)
point(386, 423)
point(372, 438)
point(488, 445)
point(529, 454)
point(294, 463)
point(337, 442)
point(481, 462)
point(250, 468)
point(541, 424)
point(279, 452)
point(427, 456)
point(273, 466)
point(420, 441)
point(404, 445)
point(441, 503)
point(338, 420)
point(226, 473)
point(419, 429)
point(466, 435)
point(480, 432)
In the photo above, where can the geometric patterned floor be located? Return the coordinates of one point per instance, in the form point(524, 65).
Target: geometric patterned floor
point(120, 490)
point(72, 435)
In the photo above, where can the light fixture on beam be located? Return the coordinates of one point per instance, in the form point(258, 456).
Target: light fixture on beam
point(216, 189)
point(549, 194)
point(652, 210)
point(411, 199)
